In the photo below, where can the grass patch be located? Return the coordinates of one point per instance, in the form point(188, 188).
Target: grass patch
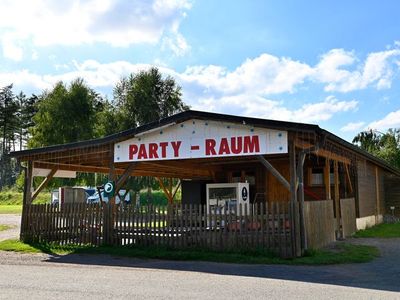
point(380, 231)
point(5, 227)
point(342, 253)
point(11, 209)
point(10, 197)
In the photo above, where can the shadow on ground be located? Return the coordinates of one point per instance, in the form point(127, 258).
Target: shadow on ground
point(381, 274)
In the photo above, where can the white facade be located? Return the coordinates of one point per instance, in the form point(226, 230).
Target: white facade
point(201, 139)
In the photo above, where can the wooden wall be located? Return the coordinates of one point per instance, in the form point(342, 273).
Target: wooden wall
point(367, 193)
point(381, 191)
point(275, 190)
point(348, 214)
point(319, 221)
point(392, 194)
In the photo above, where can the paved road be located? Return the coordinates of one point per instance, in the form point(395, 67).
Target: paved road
point(104, 277)
point(12, 220)
point(43, 276)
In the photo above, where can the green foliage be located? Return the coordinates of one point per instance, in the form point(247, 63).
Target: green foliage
point(146, 97)
point(10, 197)
point(157, 198)
point(65, 114)
point(8, 127)
point(75, 112)
point(380, 231)
point(10, 209)
point(383, 145)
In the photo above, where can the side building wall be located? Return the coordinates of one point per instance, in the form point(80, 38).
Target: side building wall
point(392, 195)
point(371, 194)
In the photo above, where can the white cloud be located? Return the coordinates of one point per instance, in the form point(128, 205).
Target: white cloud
point(10, 49)
point(118, 23)
point(256, 106)
point(377, 70)
point(35, 55)
point(206, 88)
point(391, 120)
point(265, 74)
point(352, 126)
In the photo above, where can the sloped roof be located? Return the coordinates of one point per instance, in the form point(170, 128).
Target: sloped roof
point(193, 114)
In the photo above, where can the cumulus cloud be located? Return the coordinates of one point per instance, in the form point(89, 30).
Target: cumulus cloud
point(391, 120)
point(205, 88)
point(256, 106)
point(352, 126)
point(118, 23)
point(377, 70)
point(265, 74)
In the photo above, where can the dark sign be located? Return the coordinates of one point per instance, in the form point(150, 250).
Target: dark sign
point(109, 189)
point(244, 193)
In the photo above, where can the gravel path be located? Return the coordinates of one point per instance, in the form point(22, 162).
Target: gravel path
point(12, 220)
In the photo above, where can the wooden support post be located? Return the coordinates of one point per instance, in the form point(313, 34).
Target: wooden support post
point(28, 183)
point(28, 172)
point(275, 172)
point(327, 179)
point(110, 207)
point(300, 174)
point(337, 198)
point(378, 200)
point(176, 189)
point(166, 191)
point(43, 184)
point(348, 178)
point(296, 247)
point(122, 179)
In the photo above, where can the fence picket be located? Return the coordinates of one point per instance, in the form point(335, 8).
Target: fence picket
point(264, 225)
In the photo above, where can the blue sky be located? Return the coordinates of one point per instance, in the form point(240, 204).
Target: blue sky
point(336, 64)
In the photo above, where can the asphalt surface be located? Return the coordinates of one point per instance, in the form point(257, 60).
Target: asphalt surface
point(42, 276)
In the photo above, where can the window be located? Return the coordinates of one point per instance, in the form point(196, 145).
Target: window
point(317, 177)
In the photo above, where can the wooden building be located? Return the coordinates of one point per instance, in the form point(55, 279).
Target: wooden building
point(295, 163)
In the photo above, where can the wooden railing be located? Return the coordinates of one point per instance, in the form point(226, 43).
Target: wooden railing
point(261, 226)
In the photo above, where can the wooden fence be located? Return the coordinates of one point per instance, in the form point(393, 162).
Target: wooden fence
point(348, 215)
point(261, 226)
point(319, 223)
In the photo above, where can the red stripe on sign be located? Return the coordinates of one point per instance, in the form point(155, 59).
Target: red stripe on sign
point(194, 147)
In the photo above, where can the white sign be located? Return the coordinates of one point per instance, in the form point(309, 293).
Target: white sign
point(201, 139)
point(38, 172)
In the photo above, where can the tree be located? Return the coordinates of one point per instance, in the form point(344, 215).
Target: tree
point(8, 126)
point(26, 112)
point(383, 145)
point(146, 97)
point(65, 114)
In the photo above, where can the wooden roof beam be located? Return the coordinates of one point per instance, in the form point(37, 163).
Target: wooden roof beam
point(322, 152)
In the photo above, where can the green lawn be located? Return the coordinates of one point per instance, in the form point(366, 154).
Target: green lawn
point(10, 197)
point(5, 227)
point(342, 253)
point(11, 209)
point(380, 231)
